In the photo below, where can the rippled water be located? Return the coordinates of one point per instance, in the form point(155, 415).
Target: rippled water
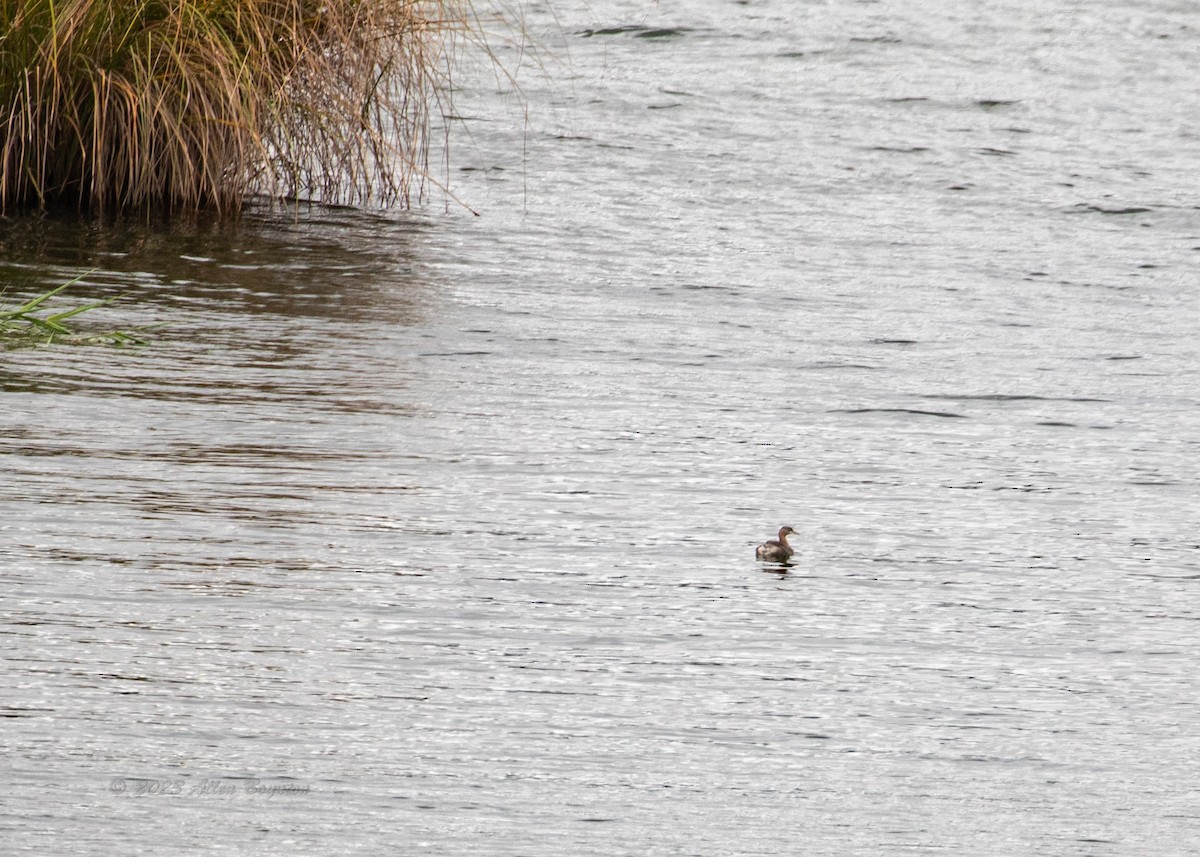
point(433, 532)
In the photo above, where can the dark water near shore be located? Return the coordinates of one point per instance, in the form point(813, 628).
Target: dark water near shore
point(433, 533)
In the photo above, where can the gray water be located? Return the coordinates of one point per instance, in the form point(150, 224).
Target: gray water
point(433, 533)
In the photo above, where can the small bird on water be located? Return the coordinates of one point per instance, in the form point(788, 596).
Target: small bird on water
point(776, 550)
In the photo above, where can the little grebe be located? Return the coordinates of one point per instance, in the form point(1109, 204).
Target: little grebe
point(776, 550)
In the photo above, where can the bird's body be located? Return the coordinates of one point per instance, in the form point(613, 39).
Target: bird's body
point(776, 550)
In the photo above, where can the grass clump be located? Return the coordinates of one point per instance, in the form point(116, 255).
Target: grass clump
point(22, 327)
point(186, 104)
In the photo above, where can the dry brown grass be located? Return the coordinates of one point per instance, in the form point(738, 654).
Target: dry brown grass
point(180, 105)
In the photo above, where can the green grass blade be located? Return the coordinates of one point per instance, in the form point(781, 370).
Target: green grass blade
point(59, 316)
point(40, 299)
point(47, 325)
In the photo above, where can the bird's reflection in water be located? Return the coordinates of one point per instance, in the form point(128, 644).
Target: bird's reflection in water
point(780, 569)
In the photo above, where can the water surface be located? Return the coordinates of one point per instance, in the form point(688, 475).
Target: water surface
point(432, 532)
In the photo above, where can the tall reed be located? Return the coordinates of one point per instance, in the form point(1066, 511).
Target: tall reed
point(187, 104)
